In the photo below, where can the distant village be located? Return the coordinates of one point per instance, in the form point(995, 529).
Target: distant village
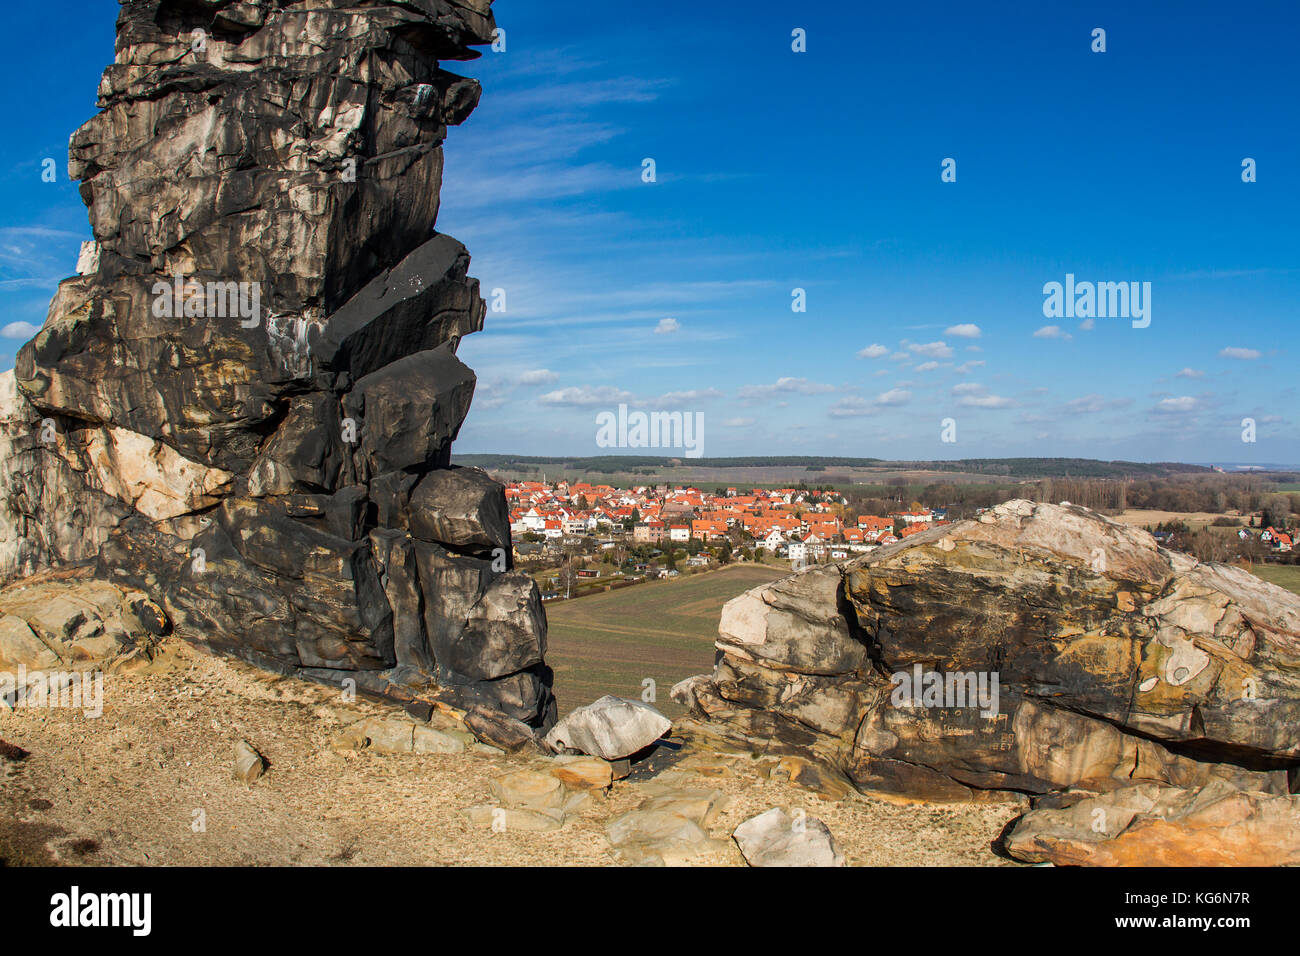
point(576, 537)
point(552, 522)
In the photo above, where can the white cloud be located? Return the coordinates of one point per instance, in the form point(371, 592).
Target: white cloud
point(1088, 325)
point(1235, 352)
point(984, 401)
point(965, 367)
point(1190, 373)
point(975, 395)
point(967, 330)
point(855, 406)
point(873, 351)
point(937, 350)
point(19, 330)
point(666, 326)
point(927, 367)
point(1180, 405)
point(1052, 332)
point(786, 384)
point(538, 376)
point(738, 422)
point(894, 397)
point(584, 395)
point(678, 399)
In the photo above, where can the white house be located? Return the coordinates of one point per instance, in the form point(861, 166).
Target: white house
point(815, 545)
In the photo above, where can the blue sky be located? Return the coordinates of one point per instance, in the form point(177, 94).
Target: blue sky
point(820, 170)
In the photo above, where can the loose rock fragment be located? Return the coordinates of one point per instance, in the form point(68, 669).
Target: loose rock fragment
point(249, 764)
point(777, 838)
point(611, 728)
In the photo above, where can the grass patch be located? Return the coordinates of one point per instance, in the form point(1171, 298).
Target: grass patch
point(664, 630)
point(1283, 575)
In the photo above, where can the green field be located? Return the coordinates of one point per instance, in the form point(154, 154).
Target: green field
point(1283, 575)
point(609, 643)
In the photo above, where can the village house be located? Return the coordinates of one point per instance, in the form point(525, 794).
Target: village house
point(815, 546)
point(924, 516)
point(708, 530)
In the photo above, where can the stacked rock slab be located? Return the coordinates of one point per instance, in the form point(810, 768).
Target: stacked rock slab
point(1118, 662)
point(245, 403)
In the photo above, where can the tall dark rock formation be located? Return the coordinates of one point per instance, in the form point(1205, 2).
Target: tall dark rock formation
point(244, 404)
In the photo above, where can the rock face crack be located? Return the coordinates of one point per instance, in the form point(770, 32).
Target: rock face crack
point(244, 404)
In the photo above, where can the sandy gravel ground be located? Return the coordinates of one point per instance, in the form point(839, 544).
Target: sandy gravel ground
point(150, 783)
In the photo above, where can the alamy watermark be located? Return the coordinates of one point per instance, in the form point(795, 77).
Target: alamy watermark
point(70, 690)
point(212, 300)
point(1101, 300)
point(74, 909)
point(639, 429)
point(947, 690)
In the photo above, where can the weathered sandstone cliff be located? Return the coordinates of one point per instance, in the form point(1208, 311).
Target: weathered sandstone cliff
point(244, 404)
point(1114, 662)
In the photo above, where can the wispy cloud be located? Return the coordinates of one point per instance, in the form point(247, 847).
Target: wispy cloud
point(583, 396)
point(538, 376)
point(1181, 405)
point(1052, 332)
point(855, 406)
point(938, 350)
point(783, 386)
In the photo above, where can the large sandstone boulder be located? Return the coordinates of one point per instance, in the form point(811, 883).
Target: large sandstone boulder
point(244, 403)
point(610, 728)
point(1039, 648)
